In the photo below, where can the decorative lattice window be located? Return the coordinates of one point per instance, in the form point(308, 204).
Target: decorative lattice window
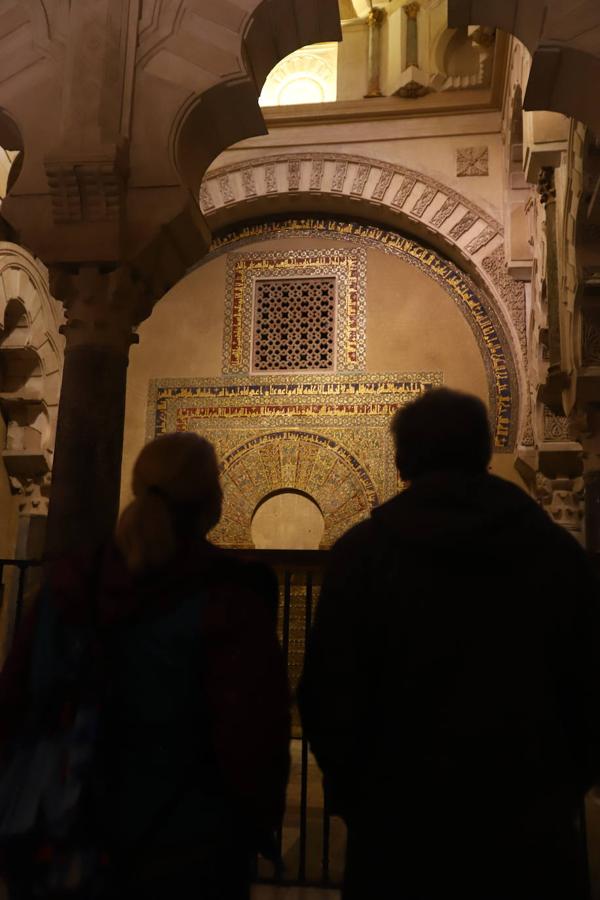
point(294, 325)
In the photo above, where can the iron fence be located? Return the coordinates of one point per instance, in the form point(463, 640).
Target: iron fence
point(18, 577)
point(311, 844)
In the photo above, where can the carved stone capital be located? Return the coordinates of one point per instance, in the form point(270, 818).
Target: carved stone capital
point(483, 36)
point(102, 308)
point(563, 500)
point(33, 494)
point(546, 185)
point(376, 17)
point(412, 10)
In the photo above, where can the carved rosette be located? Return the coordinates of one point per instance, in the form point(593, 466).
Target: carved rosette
point(472, 161)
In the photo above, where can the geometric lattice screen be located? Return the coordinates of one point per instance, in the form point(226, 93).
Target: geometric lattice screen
point(294, 325)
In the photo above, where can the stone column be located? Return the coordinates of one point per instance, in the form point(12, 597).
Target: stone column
point(590, 439)
point(412, 34)
point(555, 381)
point(101, 310)
point(414, 82)
point(375, 20)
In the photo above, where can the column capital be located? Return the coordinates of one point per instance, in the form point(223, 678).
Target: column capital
point(563, 500)
point(376, 16)
point(546, 185)
point(33, 495)
point(412, 10)
point(102, 307)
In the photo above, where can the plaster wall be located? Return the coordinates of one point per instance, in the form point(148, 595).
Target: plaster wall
point(352, 62)
point(412, 325)
point(288, 521)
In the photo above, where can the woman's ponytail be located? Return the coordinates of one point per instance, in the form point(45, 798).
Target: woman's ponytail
point(177, 493)
point(146, 533)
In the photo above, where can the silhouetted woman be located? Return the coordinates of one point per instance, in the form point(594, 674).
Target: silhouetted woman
point(196, 711)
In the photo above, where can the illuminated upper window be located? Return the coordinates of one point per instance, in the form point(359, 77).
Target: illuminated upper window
point(307, 76)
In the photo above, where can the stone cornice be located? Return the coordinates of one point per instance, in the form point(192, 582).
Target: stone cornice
point(381, 108)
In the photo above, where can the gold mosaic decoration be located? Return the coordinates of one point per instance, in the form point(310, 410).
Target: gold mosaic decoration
point(347, 267)
point(324, 435)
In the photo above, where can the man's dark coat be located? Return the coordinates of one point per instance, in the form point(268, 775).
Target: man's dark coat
point(450, 695)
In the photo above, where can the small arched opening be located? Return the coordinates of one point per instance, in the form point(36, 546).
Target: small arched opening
point(287, 519)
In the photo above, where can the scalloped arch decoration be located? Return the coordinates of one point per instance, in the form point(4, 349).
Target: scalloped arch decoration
point(298, 460)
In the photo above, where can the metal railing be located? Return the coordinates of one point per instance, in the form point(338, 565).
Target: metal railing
point(309, 855)
point(311, 842)
point(305, 840)
point(17, 578)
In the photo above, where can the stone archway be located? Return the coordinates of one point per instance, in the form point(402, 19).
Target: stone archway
point(564, 40)
point(502, 361)
point(295, 460)
point(379, 192)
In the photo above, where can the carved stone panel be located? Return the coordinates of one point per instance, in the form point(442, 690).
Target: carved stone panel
point(556, 428)
point(471, 161)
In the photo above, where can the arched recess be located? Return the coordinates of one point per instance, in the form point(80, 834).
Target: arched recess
point(218, 56)
point(564, 40)
point(31, 364)
point(213, 58)
point(293, 460)
point(245, 41)
point(408, 201)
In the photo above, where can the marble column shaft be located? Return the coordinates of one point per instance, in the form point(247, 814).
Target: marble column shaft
point(412, 34)
point(89, 444)
point(376, 17)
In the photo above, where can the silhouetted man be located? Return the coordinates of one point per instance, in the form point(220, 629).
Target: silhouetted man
point(450, 691)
